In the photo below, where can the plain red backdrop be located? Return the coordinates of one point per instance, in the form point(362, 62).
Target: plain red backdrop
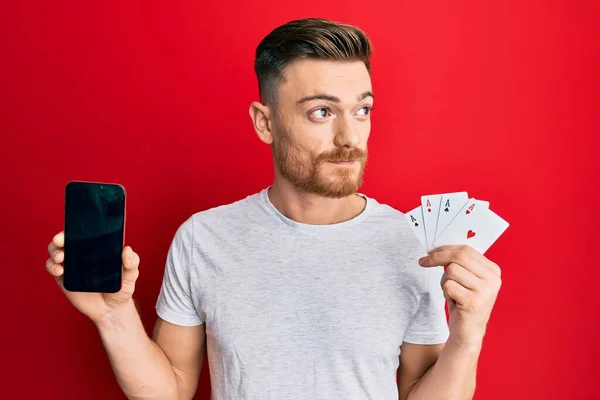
point(496, 98)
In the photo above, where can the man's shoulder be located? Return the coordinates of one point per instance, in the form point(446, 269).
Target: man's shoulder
point(228, 210)
point(394, 226)
point(386, 211)
point(225, 216)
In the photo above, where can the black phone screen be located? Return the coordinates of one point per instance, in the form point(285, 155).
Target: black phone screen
point(94, 229)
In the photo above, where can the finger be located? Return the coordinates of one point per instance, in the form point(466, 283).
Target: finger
point(59, 239)
point(461, 257)
point(51, 248)
point(53, 269)
point(131, 262)
point(448, 298)
point(451, 302)
point(473, 253)
point(58, 256)
point(56, 243)
point(457, 292)
point(130, 258)
point(462, 276)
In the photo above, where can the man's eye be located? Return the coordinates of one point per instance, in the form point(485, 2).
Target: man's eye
point(320, 112)
point(368, 109)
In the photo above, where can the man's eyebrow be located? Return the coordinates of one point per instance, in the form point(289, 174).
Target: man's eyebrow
point(334, 99)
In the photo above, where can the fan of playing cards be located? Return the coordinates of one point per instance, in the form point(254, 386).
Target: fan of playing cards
point(454, 219)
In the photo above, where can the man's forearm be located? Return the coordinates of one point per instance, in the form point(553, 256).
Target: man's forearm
point(140, 366)
point(452, 377)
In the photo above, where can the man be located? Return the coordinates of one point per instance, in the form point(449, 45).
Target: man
point(307, 289)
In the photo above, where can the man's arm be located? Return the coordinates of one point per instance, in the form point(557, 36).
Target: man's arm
point(437, 371)
point(167, 367)
point(415, 360)
point(470, 284)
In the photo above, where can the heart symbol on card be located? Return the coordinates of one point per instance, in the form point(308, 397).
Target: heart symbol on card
point(468, 211)
point(470, 234)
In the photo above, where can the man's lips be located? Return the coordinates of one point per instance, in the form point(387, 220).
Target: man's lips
point(343, 162)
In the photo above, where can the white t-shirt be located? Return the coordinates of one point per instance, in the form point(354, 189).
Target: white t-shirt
point(299, 311)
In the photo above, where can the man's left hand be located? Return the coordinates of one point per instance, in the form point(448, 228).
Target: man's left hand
point(470, 284)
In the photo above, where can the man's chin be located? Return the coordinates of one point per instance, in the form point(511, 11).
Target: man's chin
point(330, 181)
point(338, 189)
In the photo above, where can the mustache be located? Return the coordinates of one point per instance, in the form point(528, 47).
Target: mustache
point(340, 155)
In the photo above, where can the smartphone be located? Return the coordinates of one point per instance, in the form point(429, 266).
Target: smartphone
point(94, 236)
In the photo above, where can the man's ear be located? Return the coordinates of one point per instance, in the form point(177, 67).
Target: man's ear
point(261, 120)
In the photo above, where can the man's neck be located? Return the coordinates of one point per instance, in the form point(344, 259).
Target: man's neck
point(310, 208)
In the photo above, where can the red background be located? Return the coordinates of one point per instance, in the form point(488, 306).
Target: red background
point(496, 98)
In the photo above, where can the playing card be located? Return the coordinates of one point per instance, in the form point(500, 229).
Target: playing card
point(479, 228)
point(470, 209)
point(450, 205)
point(415, 220)
point(430, 207)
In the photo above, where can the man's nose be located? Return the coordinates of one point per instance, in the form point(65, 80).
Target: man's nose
point(346, 134)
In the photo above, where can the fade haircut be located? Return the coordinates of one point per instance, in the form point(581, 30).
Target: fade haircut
point(313, 38)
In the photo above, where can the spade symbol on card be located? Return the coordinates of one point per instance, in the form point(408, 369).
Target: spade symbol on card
point(413, 219)
point(470, 234)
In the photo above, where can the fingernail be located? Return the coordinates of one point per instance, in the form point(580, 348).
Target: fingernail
point(421, 260)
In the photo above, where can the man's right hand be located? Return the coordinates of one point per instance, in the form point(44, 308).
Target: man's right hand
point(97, 306)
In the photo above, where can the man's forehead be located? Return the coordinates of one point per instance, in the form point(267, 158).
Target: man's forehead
point(341, 81)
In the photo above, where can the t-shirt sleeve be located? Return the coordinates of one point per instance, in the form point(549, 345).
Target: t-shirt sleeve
point(429, 324)
point(175, 302)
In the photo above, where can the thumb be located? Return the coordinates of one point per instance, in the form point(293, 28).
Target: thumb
point(131, 262)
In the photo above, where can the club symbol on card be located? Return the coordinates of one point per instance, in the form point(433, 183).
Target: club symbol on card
point(446, 209)
point(470, 234)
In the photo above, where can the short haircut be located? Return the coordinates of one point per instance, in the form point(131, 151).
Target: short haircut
point(313, 38)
